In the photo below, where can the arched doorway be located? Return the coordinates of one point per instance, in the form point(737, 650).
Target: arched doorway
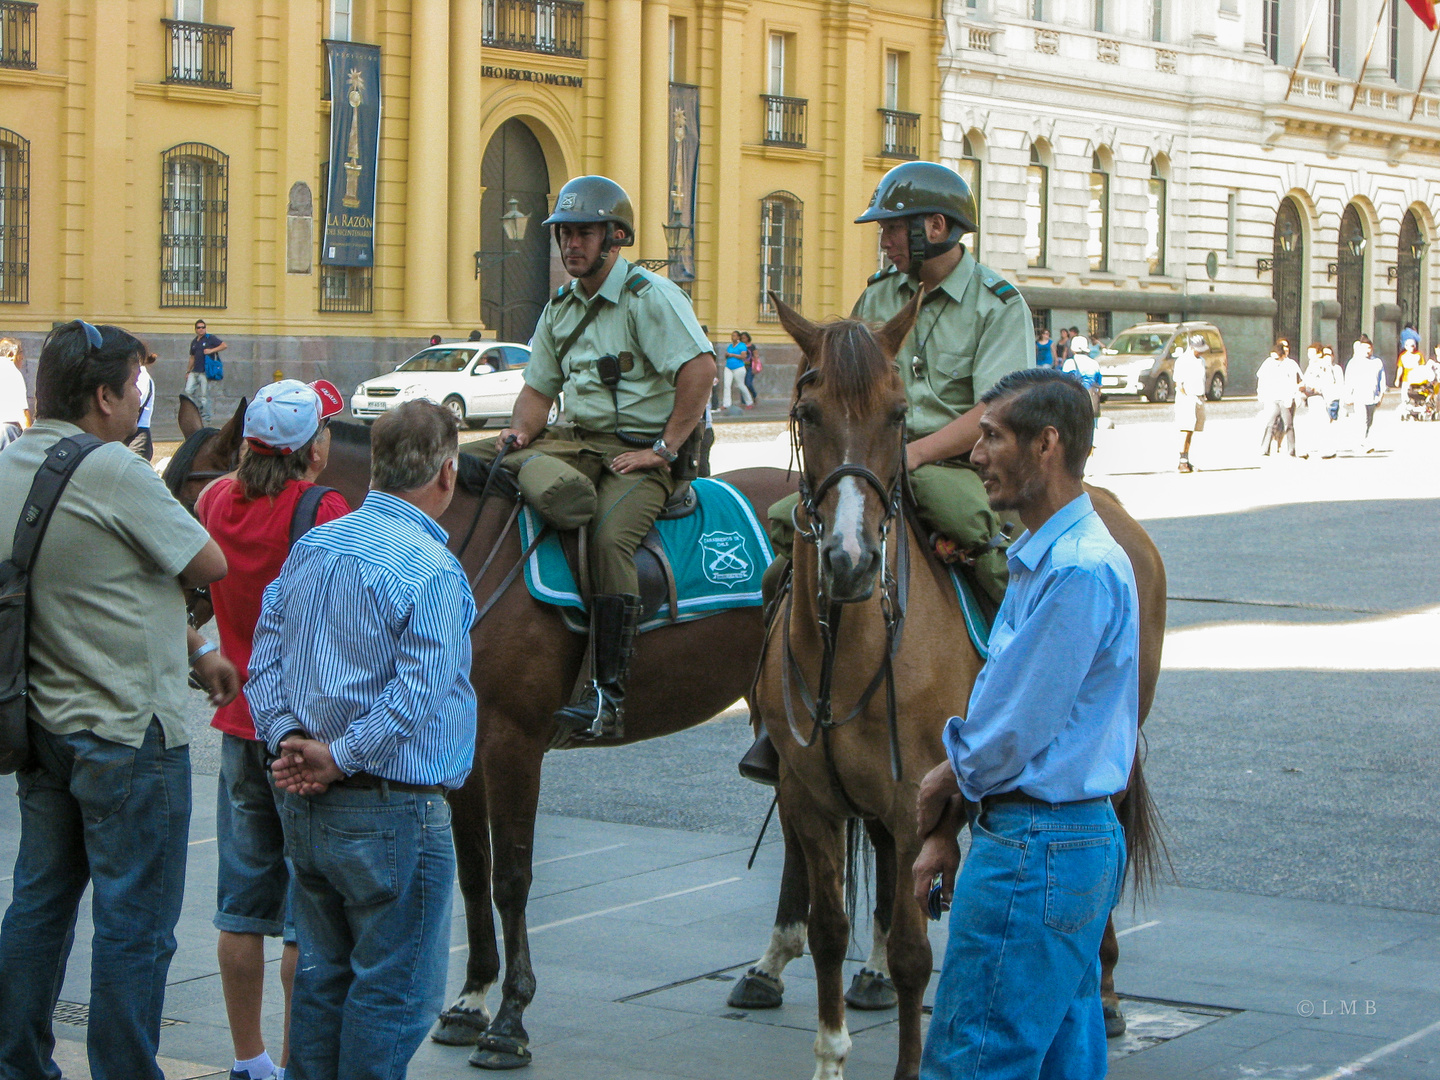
point(1408, 261)
point(515, 274)
point(1350, 286)
point(1288, 273)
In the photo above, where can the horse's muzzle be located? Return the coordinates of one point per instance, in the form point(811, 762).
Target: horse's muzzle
point(845, 580)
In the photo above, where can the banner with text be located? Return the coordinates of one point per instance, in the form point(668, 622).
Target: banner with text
point(349, 236)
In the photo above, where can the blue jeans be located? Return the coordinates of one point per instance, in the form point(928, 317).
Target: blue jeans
point(374, 872)
point(254, 879)
point(117, 817)
point(1019, 992)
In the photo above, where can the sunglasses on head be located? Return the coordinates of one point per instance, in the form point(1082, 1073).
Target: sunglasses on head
point(92, 334)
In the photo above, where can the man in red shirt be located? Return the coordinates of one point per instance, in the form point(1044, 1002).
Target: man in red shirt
point(250, 514)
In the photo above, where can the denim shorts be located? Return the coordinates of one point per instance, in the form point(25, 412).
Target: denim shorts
point(253, 885)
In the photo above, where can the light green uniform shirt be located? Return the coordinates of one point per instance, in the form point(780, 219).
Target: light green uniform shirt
point(645, 320)
point(107, 615)
point(973, 329)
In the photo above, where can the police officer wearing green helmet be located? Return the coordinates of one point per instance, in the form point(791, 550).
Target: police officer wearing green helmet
point(974, 327)
point(636, 370)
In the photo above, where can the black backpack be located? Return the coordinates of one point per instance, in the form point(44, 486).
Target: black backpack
point(61, 461)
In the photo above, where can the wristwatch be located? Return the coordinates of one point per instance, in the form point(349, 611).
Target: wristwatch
point(664, 451)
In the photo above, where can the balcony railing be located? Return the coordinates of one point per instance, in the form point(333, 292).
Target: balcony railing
point(555, 27)
point(900, 136)
point(17, 34)
point(784, 120)
point(200, 54)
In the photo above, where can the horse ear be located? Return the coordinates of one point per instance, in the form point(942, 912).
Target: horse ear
point(805, 332)
point(189, 417)
point(893, 334)
point(227, 443)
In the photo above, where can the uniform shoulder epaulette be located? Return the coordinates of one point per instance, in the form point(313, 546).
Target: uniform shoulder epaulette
point(1001, 288)
point(560, 292)
point(880, 274)
point(637, 283)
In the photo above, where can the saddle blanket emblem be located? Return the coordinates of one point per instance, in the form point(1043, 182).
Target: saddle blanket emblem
point(724, 558)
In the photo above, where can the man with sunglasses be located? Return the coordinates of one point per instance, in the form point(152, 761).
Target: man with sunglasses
point(197, 382)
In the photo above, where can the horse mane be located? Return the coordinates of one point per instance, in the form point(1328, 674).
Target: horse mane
point(850, 364)
point(354, 434)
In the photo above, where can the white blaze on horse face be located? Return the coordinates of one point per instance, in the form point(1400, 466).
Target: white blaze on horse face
point(850, 517)
point(831, 1049)
point(786, 943)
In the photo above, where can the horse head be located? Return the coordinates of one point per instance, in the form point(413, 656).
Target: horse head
point(847, 422)
point(205, 454)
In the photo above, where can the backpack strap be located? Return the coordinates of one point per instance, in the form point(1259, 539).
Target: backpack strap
point(307, 509)
point(61, 461)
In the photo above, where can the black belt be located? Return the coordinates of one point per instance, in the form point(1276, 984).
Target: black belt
point(1018, 796)
point(367, 780)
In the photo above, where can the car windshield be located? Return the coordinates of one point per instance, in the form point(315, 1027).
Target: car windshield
point(448, 360)
point(1141, 343)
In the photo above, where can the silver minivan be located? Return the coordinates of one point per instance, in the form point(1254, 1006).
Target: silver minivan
point(1141, 360)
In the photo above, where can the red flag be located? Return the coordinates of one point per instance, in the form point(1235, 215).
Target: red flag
point(1424, 11)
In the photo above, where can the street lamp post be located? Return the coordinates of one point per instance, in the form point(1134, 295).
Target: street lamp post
point(515, 223)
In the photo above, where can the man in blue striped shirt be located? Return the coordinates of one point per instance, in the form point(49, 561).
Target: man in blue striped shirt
point(1048, 737)
point(359, 683)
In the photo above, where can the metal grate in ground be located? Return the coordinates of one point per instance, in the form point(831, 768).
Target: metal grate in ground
point(77, 1014)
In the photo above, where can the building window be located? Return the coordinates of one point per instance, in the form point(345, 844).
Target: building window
point(778, 82)
point(780, 224)
point(677, 49)
point(1335, 22)
point(894, 84)
point(1232, 223)
point(1037, 203)
point(1037, 10)
point(14, 218)
point(1040, 319)
point(1097, 247)
point(200, 54)
point(190, 10)
point(17, 34)
point(556, 27)
point(1157, 20)
point(969, 170)
point(1270, 29)
point(344, 288)
point(1099, 13)
point(1097, 325)
point(1395, 40)
point(340, 14)
point(1155, 221)
point(194, 226)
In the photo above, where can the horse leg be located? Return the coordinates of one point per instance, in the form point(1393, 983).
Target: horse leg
point(506, 1043)
point(910, 961)
point(762, 987)
point(829, 931)
point(1109, 999)
point(872, 988)
point(467, 1017)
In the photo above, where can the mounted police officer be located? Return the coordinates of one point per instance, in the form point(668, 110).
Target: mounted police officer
point(636, 369)
point(973, 328)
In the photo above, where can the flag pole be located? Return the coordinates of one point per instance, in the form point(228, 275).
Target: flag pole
point(1420, 86)
point(1384, 7)
point(1304, 41)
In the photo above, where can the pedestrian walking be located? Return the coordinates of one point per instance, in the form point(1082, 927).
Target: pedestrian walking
point(1409, 335)
point(1322, 387)
point(198, 377)
point(735, 354)
point(1277, 385)
point(1062, 346)
point(359, 682)
point(1048, 736)
point(1189, 371)
point(253, 516)
point(753, 366)
point(141, 442)
point(1083, 366)
point(1365, 386)
point(105, 799)
point(14, 397)
point(1044, 350)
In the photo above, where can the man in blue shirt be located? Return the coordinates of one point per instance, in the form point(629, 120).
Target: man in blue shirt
point(359, 682)
point(1048, 737)
point(197, 379)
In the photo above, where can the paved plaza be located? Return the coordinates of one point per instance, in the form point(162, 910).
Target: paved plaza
point(1291, 749)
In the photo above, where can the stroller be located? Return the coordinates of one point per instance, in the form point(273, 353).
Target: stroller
point(1422, 401)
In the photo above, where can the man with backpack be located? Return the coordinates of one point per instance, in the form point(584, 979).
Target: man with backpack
point(101, 658)
point(255, 515)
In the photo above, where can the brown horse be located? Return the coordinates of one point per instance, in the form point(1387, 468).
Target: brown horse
point(870, 623)
point(675, 685)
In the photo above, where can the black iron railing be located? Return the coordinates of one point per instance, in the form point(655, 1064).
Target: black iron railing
point(900, 135)
point(14, 218)
point(200, 54)
point(194, 226)
point(17, 34)
point(784, 120)
point(348, 288)
point(556, 27)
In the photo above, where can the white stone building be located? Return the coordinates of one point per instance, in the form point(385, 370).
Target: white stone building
point(1118, 144)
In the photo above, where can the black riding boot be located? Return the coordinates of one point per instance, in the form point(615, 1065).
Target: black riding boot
point(598, 712)
point(761, 762)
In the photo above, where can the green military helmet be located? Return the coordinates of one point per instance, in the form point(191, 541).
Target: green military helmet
point(590, 200)
point(922, 187)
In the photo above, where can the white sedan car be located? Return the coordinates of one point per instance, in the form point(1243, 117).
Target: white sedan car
point(475, 380)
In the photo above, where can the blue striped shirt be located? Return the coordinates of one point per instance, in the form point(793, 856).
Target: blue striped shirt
point(364, 643)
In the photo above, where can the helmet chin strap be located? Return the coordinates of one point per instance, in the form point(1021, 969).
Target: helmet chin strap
point(922, 248)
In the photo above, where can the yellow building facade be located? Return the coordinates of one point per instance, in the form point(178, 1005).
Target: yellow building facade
point(164, 160)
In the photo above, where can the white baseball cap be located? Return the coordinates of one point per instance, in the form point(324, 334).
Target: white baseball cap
point(287, 414)
point(1079, 343)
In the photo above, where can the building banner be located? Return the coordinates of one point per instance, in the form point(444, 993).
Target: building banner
point(684, 173)
point(349, 236)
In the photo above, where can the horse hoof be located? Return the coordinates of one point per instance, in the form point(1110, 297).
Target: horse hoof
point(459, 1027)
point(500, 1052)
point(1114, 1022)
point(757, 990)
point(871, 991)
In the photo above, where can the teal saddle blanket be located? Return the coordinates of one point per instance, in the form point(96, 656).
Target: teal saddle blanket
point(976, 625)
point(718, 554)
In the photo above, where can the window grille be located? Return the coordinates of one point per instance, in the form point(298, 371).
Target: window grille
point(200, 54)
point(17, 34)
point(1155, 222)
point(14, 218)
point(1040, 319)
point(1098, 324)
point(1037, 203)
point(780, 224)
point(900, 134)
point(343, 288)
point(194, 226)
point(1097, 248)
point(556, 27)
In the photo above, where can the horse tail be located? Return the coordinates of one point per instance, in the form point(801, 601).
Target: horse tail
point(859, 861)
point(1149, 856)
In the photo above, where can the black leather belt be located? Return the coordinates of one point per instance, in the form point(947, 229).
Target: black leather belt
point(367, 780)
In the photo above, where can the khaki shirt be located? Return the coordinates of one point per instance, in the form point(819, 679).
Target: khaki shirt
point(107, 614)
point(972, 330)
point(645, 320)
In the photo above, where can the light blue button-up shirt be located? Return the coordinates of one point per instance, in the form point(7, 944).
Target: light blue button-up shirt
point(1055, 710)
point(364, 643)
